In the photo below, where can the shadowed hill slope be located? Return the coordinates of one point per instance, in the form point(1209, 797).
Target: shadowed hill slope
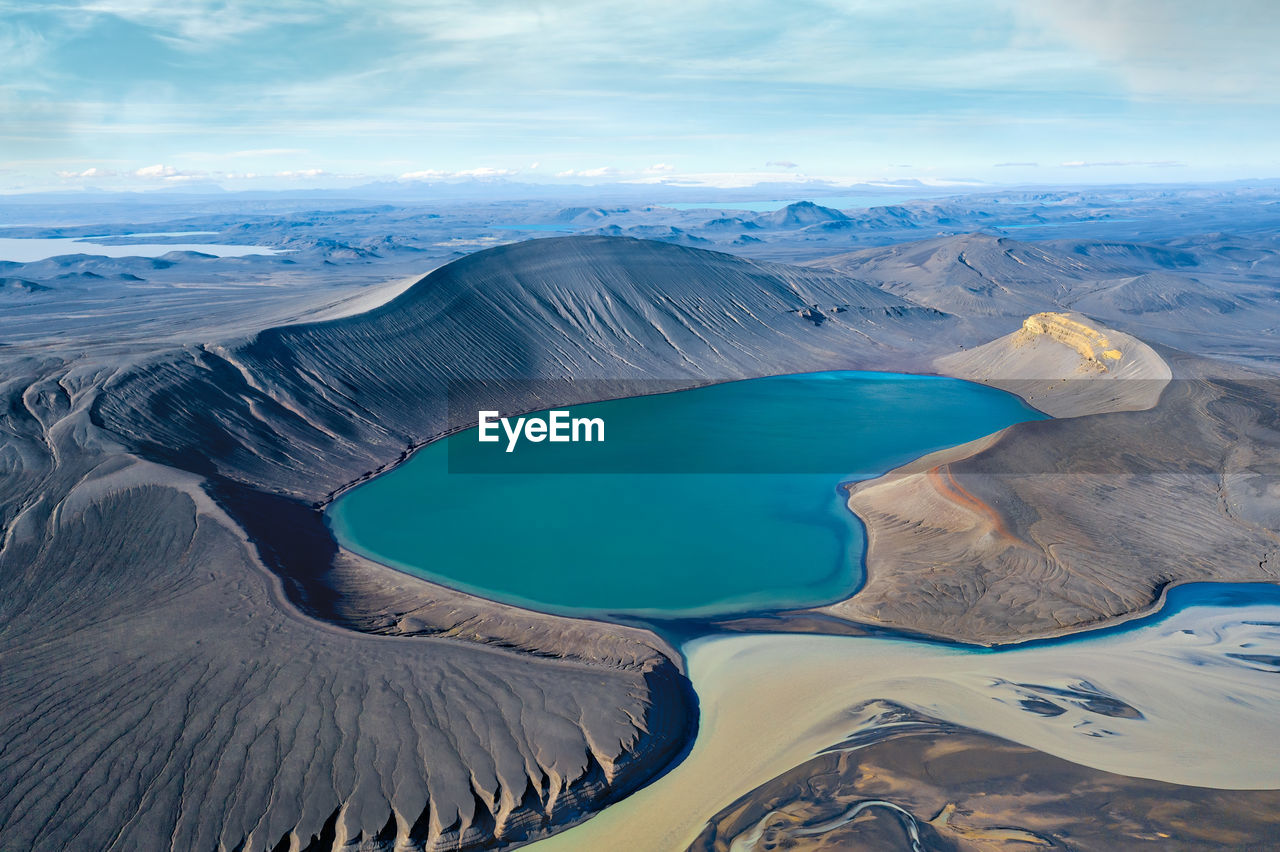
point(158, 692)
point(309, 405)
point(162, 689)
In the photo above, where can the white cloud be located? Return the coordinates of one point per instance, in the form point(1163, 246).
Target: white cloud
point(201, 24)
point(92, 172)
point(168, 174)
point(22, 49)
point(426, 174)
point(1174, 48)
point(161, 173)
point(579, 83)
point(443, 174)
point(602, 171)
point(818, 42)
point(933, 181)
point(157, 171)
point(486, 172)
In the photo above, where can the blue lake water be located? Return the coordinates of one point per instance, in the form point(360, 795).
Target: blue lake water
point(30, 250)
point(707, 501)
point(1261, 599)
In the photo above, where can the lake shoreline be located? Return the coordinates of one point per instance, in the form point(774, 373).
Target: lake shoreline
point(571, 547)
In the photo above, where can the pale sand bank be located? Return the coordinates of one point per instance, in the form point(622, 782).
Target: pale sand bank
point(1165, 701)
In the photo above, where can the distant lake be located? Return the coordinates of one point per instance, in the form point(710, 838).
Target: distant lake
point(23, 250)
point(652, 521)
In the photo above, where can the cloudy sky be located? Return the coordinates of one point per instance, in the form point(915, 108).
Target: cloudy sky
point(151, 93)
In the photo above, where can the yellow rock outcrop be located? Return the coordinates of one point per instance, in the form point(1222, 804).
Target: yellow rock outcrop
point(1090, 343)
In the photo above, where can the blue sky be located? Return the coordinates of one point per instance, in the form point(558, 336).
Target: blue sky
point(144, 94)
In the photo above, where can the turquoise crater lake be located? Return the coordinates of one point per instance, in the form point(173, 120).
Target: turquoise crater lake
point(664, 531)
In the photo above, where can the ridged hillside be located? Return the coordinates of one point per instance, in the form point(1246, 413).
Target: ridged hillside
point(189, 661)
point(1211, 298)
point(305, 409)
point(974, 275)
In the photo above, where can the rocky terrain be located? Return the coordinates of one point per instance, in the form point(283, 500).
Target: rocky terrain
point(179, 627)
point(191, 662)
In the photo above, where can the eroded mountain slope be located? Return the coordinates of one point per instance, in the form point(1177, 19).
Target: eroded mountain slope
point(160, 689)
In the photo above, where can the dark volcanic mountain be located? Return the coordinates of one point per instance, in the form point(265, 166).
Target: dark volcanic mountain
point(178, 626)
point(279, 407)
point(800, 215)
